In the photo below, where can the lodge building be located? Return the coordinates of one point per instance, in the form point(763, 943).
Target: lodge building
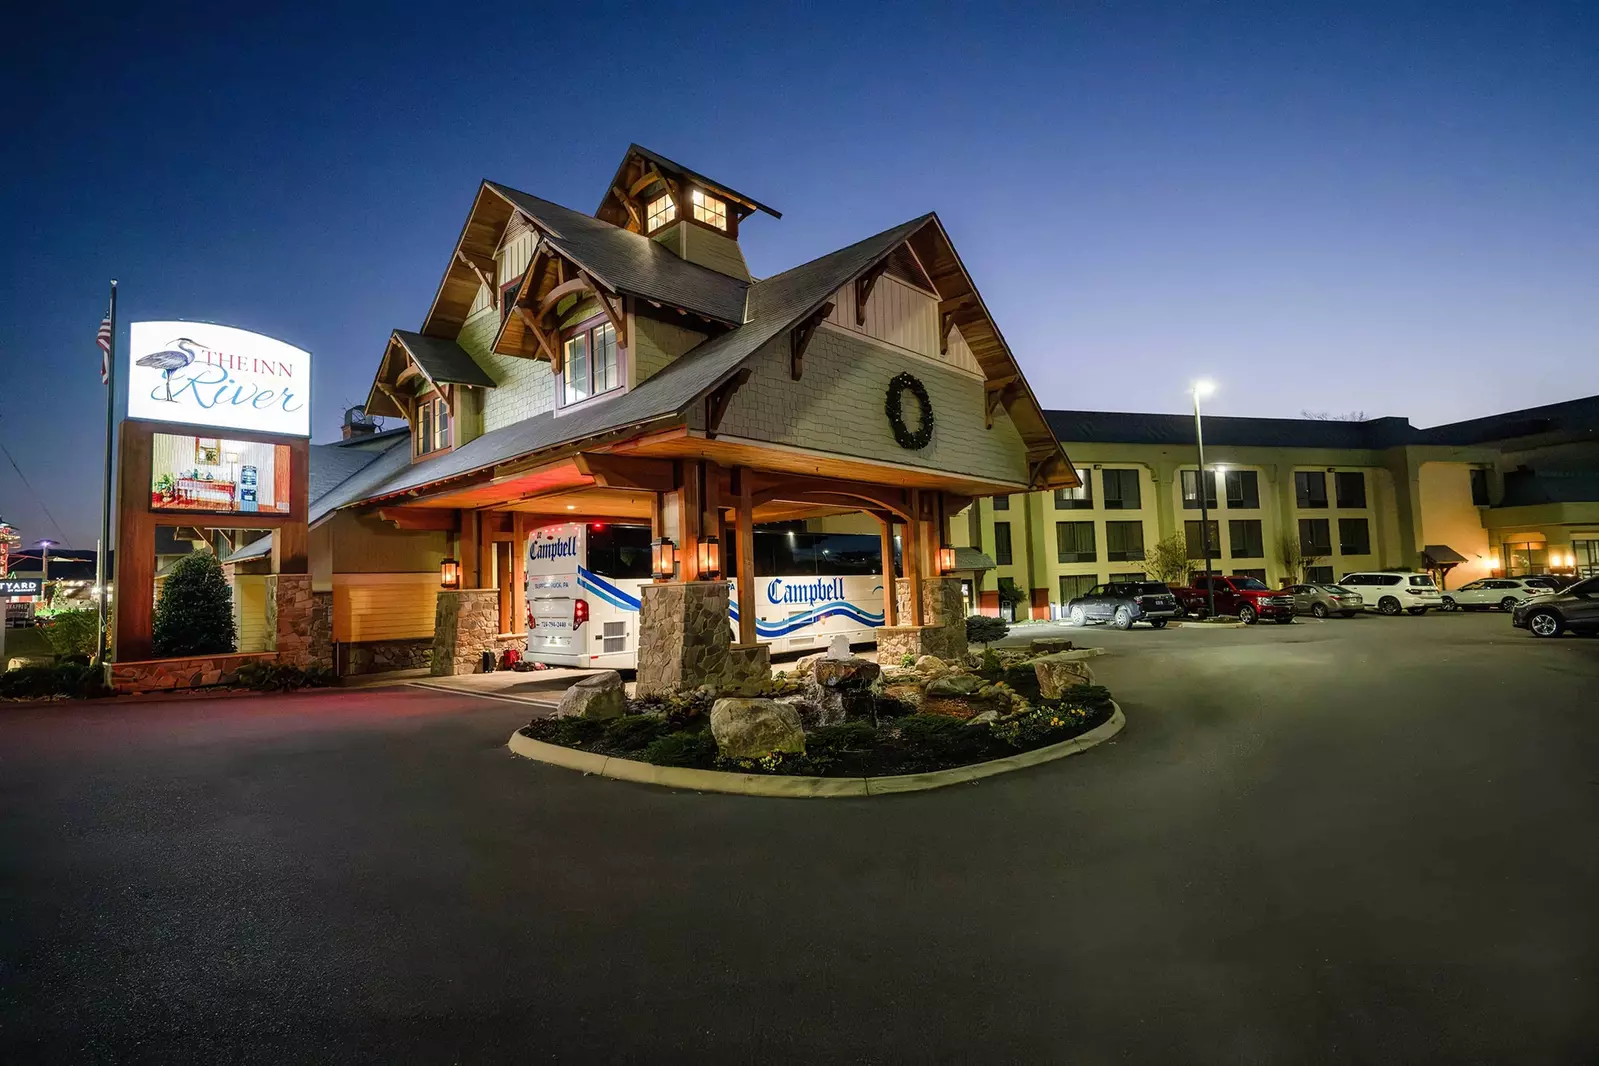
point(625, 366)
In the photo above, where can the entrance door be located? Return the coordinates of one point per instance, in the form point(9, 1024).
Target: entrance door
point(1586, 556)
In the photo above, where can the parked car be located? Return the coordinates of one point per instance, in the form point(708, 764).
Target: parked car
point(1490, 592)
point(1121, 603)
point(1392, 591)
point(1548, 581)
point(1249, 598)
point(1576, 609)
point(1323, 600)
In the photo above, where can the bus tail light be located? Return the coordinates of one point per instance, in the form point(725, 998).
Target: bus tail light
point(580, 613)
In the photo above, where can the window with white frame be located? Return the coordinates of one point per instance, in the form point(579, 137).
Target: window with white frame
point(591, 363)
point(659, 211)
point(430, 429)
point(709, 210)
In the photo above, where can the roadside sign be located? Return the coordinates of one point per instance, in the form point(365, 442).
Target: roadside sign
point(21, 586)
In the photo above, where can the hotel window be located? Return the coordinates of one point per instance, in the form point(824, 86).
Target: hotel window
point(659, 211)
point(1001, 503)
point(1245, 535)
point(1139, 576)
point(1191, 489)
point(1196, 547)
point(1319, 575)
point(1121, 490)
point(1310, 488)
point(1001, 543)
point(1124, 541)
point(431, 431)
point(1315, 537)
point(591, 366)
point(1350, 486)
point(1479, 487)
point(1258, 575)
point(1075, 585)
point(1243, 490)
point(709, 210)
point(1080, 497)
point(1354, 536)
point(1074, 542)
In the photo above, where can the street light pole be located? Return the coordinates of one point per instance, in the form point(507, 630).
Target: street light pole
point(1204, 388)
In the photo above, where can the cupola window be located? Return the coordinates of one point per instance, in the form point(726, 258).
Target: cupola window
point(709, 210)
point(659, 212)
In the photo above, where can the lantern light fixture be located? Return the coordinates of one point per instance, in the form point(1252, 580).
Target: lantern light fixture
point(710, 559)
point(449, 574)
point(946, 560)
point(663, 557)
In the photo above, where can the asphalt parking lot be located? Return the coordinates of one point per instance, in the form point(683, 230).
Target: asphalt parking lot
point(1365, 840)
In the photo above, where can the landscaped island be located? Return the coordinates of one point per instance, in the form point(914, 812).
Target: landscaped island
point(835, 716)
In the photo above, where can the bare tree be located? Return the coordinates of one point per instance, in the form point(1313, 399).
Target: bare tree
point(1328, 416)
point(1295, 562)
point(1168, 561)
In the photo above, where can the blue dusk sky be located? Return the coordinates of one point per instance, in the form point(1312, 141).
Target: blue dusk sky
point(1389, 208)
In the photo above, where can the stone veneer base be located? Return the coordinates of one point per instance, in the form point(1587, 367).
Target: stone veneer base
point(167, 675)
point(805, 787)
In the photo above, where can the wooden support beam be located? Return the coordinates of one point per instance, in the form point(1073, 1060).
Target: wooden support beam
point(716, 403)
point(576, 286)
point(518, 621)
point(550, 344)
point(613, 312)
point(995, 398)
point(485, 274)
point(746, 557)
point(799, 338)
point(436, 519)
point(632, 208)
point(627, 472)
point(912, 557)
point(466, 548)
point(688, 519)
point(886, 522)
point(863, 289)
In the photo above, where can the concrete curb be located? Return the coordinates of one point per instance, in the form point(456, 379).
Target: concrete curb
point(1184, 622)
point(805, 787)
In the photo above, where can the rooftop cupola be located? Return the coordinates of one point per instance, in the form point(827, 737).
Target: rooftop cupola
point(695, 217)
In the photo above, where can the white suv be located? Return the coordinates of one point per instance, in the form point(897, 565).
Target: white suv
point(1501, 592)
point(1392, 591)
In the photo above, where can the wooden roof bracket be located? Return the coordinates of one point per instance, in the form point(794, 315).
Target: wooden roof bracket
point(863, 288)
point(799, 338)
point(400, 401)
point(485, 274)
point(627, 202)
point(997, 394)
point(614, 313)
point(946, 317)
point(716, 403)
point(552, 349)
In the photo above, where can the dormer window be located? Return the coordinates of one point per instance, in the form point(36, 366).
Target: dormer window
point(591, 366)
point(431, 430)
point(709, 210)
point(659, 212)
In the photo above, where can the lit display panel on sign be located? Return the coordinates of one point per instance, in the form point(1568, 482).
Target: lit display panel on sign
point(218, 475)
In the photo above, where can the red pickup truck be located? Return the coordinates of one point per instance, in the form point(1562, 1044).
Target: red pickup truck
point(1249, 598)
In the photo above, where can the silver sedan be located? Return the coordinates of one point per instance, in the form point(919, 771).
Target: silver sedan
point(1323, 600)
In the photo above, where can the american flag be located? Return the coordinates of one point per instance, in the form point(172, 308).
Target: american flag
point(103, 339)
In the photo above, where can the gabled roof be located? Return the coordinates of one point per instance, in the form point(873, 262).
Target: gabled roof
point(443, 361)
point(674, 167)
point(630, 262)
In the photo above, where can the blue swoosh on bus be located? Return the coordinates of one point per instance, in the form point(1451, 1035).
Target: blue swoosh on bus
point(592, 582)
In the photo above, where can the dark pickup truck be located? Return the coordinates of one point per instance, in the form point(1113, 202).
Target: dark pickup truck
point(1249, 598)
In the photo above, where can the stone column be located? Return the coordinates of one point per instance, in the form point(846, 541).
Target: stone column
point(465, 624)
point(943, 636)
point(684, 635)
point(291, 617)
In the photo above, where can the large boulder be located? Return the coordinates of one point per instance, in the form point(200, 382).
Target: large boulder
point(1061, 671)
point(1050, 645)
point(846, 674)
point(596, 696)
point(841, 689)
point(752, 728)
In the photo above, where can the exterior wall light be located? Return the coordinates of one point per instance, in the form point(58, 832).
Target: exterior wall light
point(450, 574)
point(710, 559)
point(663, 558)
point(946, 560)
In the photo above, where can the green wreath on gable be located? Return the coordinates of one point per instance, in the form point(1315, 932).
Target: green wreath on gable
point(894, 407)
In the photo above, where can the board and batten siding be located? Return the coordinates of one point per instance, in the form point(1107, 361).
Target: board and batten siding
point(904, 316)
point(383, 606)
point(838, 407)
point(250, 613)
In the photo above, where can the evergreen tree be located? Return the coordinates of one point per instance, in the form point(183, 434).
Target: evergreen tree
point(194, 615)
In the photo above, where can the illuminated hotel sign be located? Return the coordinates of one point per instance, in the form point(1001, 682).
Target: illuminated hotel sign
point(204, 375)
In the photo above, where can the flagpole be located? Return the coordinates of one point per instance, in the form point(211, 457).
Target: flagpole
point(101, 569)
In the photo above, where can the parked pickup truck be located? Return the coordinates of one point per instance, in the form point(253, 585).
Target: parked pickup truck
point(1247, 597)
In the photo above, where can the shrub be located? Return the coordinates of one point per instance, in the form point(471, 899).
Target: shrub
point(696, 749)
point(936, 739)
point(194, 615)
point(279, 677)
point(74, 634)
point(985, 629)
point(76, 680)
point(634, 732)
point(907, 660)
